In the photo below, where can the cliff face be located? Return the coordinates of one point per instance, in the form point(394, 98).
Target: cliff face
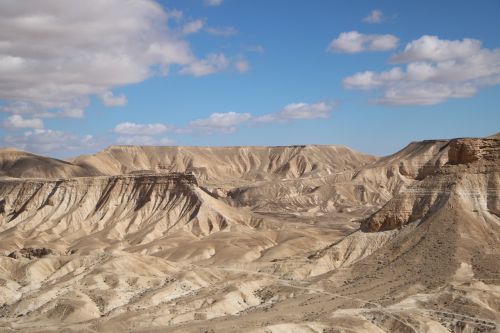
point(471, 176)
point(129, 208)
point(391, 174)
point(366, 186)
point(463, 151)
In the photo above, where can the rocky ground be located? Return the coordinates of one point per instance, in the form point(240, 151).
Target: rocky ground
point(252, 239)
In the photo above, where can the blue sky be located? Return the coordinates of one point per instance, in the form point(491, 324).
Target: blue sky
point(372, 75)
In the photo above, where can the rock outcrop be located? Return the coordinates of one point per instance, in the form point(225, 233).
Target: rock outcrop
point(463, 151)
point(30, 253)
point(471, 174)
point(130, 208)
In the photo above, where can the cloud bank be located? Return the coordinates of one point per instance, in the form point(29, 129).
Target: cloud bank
point(223, 123)
point(55, 54)
point(434, 70)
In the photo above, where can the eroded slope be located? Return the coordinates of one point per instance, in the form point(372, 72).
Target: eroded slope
point(295, 239)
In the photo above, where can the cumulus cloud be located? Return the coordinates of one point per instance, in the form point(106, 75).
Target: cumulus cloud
point(306, 111)
point(355, 42)
point(109, 99)
point(129, 128)
point(68, 113)
point(31, 109)
point(148, 133)
point(46, 141)
point(17, 121)
point(242, 66)
point(220, 122)
point(213, 3)
point(431, 48)
point(376, 16)
point(55, 54)
point(213, 63)
point(348, 42)
point(192, 27)
point(369, 80)
point(296, 111)
point(143, 140)
point(228, 122)
point(434, 70)
point(224, 31)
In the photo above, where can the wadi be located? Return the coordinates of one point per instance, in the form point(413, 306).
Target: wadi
point(252, 239)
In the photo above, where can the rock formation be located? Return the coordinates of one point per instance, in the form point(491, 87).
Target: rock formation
point(252, 239)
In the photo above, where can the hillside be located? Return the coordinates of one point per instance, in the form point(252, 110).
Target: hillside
point(221, 164)
point(257, 239)
point(18, 164)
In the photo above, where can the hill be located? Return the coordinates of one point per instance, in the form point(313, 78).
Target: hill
point(258, 239)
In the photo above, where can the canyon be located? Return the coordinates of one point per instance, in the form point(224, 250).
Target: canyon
point(301, 238)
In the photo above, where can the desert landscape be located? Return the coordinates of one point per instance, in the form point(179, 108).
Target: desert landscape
point(252, 239)
point(230, 166)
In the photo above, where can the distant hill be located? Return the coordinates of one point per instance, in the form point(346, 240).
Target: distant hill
point(19, 164)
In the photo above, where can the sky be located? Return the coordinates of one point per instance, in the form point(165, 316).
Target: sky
point(78, 76)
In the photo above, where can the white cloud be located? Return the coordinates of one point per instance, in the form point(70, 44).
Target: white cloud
point(213, 63)
point(55, 54)
point(369, 80)
point(433, 71)
point(17, 121)
point(129, 128)
point(376, 16)
point(192, 27)
point(417, 93)
point(213, 2)
point(220, 122)
point(354, 42)
point(109, 99)
point(174, 14)
point(306, 111)
point(31, 109)
point(224, 32)
point(431, 48)
point(45, 140)
point(242, 66)
point(69, 113)
point(382, 42)
point(296, 111)
point(143, 140)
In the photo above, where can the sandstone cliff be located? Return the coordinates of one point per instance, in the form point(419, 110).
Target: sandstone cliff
point(471, 176)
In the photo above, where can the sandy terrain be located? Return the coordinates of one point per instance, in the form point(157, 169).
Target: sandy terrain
point(252, 239)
